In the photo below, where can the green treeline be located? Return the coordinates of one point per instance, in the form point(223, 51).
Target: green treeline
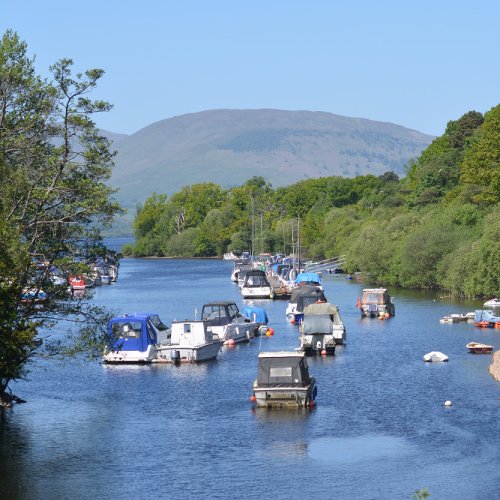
point(439, 227)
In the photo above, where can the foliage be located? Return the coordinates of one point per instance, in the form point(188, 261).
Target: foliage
point(53, 198)
point(431, 229)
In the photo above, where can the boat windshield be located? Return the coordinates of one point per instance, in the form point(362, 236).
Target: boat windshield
point(129, 329)
point(157, 322)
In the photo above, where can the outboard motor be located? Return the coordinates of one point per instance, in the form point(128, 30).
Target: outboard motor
point(175, 356)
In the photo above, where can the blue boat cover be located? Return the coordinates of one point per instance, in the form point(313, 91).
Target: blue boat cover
point(308, 278)
point(258, 313)
point(131, 332)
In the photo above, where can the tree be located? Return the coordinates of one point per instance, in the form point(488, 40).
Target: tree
point(481, 163)
point(54, 201)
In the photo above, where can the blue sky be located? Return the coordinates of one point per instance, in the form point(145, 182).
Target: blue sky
point(417, 64)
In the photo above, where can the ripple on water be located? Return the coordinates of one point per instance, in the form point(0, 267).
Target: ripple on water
point(350, 450)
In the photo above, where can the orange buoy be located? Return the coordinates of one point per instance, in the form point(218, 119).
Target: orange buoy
point(292, 321)
point(253, 398)
point(230, 342)
point(387, 315)
point(270, 331)
point(323, 352)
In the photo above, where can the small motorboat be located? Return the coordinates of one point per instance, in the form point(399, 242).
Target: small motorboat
point(224, 319)
point(479, 348)
point(134, 338)
point(492, 303)
point(283, 381)
point(435, 357)
point(376, 303)
point(191, 341)
point(322, 329)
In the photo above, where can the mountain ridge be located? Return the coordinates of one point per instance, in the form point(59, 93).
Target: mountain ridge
point(230, 146)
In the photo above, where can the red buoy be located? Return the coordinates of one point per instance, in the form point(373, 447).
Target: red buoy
point(311, 403)
point(270, 331)
point(292, 321)
point(253, 398)
point(323, 352)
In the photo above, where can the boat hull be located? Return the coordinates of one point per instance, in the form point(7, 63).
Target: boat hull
point(285, 397)
point(318, 344)
point(187, 354)
point(123, 357)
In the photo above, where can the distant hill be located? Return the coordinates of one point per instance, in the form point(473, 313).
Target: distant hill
point(230, 146)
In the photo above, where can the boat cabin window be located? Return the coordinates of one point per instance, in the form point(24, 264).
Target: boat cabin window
point(373, 297)
point(211, 312)
point(157, 322)
point(151, 331)
point(280, 371)
point(233, 310)
point(130, 329)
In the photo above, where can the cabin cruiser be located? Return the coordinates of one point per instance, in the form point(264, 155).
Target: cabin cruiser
point(321, 329)
point(224, 319)
point(191, 341)
point(133, 338)
point(300, 298)
point(283, 380)
point(256, 286)
point(376, 303)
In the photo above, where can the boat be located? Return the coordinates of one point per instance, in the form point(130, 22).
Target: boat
point(77, 282)
point(300, 298)
point(479, 348)
point(33, 295)
point(492, 303)
point(224, 319)
point(256, 286)
point(103, 271)
point(457, 318)
point(321, 329)
point(435, 357)
point(191, 341)
point(133, 338)
point(486, 318)
point(309, 278)
point(258, 315)
point(283, 381)
point(376, 303)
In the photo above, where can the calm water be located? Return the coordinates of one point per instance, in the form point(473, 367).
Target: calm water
point(379, 431)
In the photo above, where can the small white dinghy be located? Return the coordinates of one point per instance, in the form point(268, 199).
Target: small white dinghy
point(435, 357)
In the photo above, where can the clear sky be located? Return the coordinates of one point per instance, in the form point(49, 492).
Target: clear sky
point(415, 63)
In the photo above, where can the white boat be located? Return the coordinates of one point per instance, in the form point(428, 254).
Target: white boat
point(224, 319)
point(435, 357)
point(256, 286)
point(492, 303)
point(376, 303)
point(191, 341)
point(479, 348)
point(283, 380)
point(321, 329)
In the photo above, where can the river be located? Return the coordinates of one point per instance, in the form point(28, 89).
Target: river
point(380, 429)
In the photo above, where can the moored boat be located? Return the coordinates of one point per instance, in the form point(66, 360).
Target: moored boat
point(256, 286)
point(283, 381)
point(224, 319)
point(376, 303)
point(492, 303)
point(133, 338)
point(300, 298)
point(479, 348)
point(321, 329)
point(191, 341)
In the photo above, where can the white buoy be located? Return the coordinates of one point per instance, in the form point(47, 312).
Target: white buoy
point(447, 403)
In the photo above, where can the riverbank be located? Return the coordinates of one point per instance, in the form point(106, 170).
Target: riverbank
point(494, 368)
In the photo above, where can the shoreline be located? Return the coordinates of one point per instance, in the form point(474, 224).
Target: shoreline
point(494, 368)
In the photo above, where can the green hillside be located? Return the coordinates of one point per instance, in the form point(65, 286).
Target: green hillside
point(231, 146)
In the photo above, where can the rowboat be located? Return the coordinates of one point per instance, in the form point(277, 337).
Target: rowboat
point(478, 348)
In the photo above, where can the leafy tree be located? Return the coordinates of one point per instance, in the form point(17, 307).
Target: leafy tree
point(481, 164)
point(53, 166)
